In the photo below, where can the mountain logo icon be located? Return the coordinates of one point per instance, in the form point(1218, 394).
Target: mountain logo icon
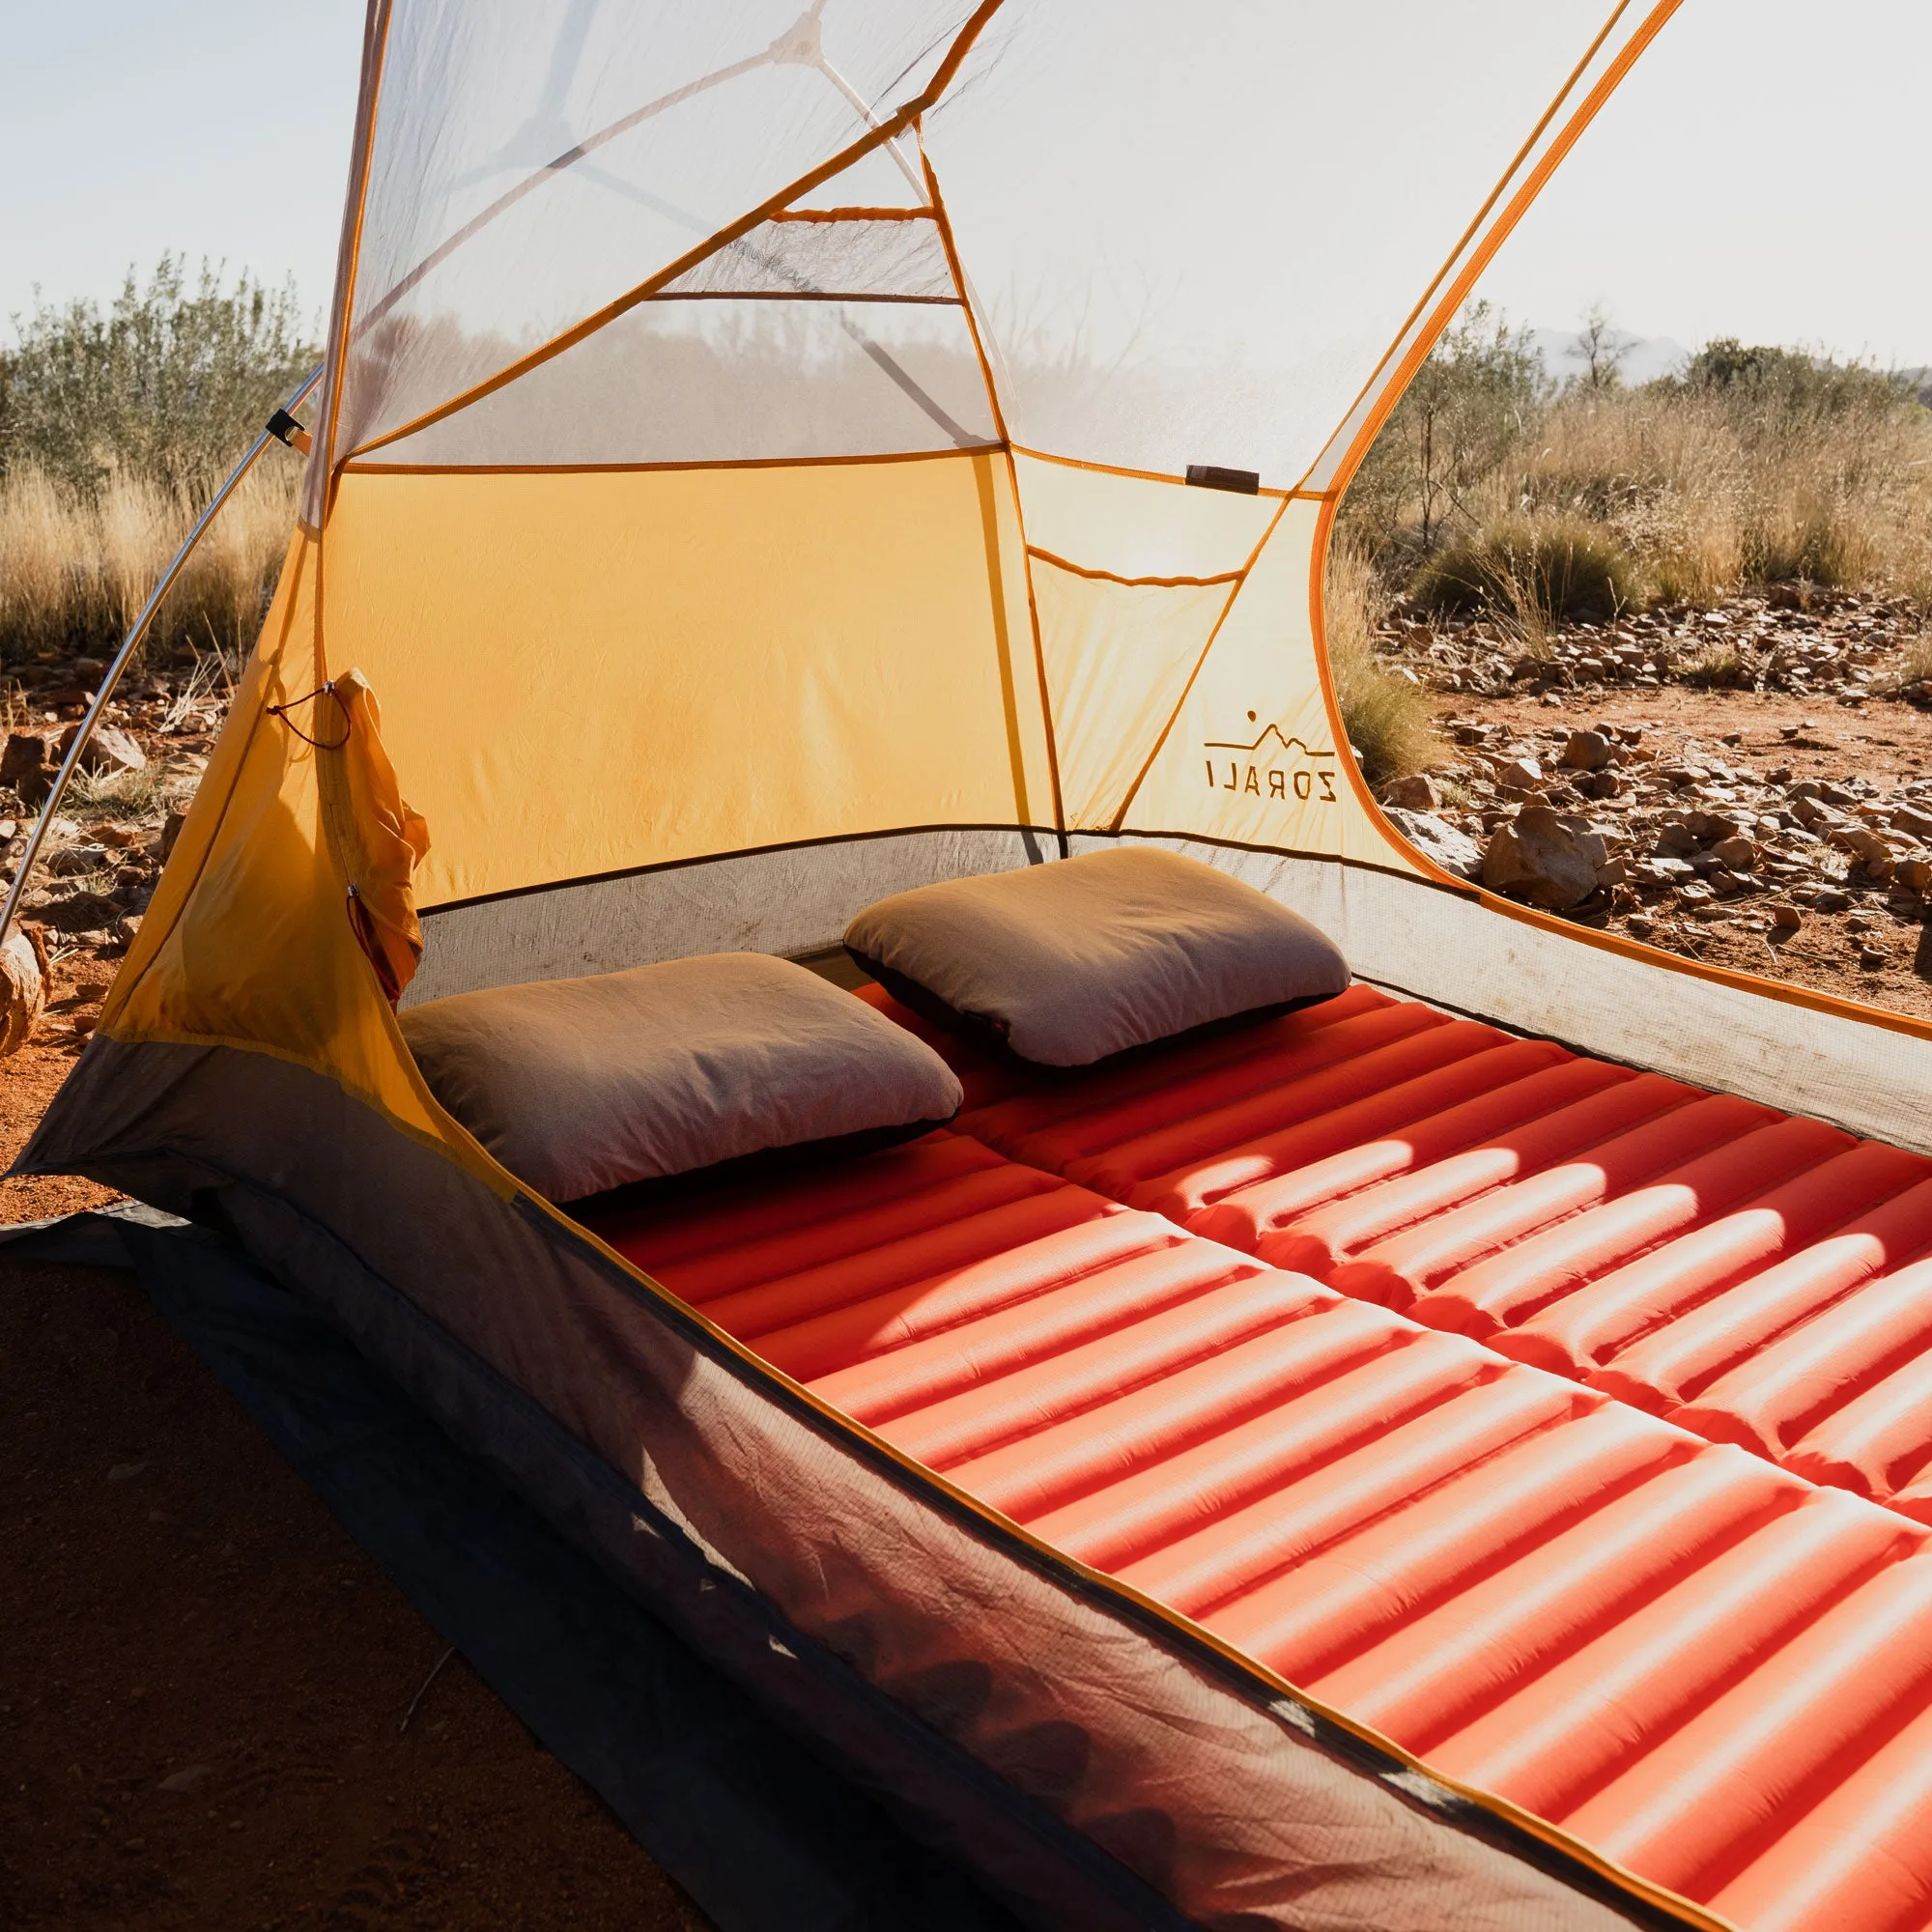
point(1272, 765)
point(1284, 745)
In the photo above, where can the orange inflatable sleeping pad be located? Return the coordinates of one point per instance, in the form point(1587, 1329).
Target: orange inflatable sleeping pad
point(1707, 1667)
point(1761, 1279)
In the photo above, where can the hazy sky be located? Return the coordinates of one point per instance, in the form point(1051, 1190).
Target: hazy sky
point(1764, 172)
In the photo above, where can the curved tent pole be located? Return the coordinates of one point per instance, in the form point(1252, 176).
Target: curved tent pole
point(281, 428)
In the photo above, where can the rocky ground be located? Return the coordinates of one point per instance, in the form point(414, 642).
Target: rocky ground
point(118, 821)
point(1751, 786)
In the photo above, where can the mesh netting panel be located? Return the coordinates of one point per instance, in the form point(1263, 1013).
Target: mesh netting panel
point(902, 261)
point(731, 381)
point(1197, 230)
point(486, 232)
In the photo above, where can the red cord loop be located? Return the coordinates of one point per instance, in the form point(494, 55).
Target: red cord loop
point(327, 689)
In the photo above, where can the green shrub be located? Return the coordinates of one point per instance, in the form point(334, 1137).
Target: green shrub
point(1722, 667)
point(168, 387)
point(1480, 392)
point(1790, 380)
point(1534, 570)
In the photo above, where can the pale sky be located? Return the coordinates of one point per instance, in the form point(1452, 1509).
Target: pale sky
point(1762, 173)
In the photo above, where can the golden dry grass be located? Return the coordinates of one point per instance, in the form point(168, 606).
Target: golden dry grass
point(1708, 491)
point(1755, 466)
point(1389, 720)
point(74, 570)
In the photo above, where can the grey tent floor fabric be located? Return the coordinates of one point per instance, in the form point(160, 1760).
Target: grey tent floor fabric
point(756, 1830)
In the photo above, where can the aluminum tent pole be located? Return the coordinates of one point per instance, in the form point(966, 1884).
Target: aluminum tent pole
point(282, 428)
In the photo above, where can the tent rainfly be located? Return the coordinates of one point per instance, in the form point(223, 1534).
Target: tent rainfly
point(765, 459)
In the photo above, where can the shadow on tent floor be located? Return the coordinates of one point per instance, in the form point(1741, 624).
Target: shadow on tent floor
point(290, 1814)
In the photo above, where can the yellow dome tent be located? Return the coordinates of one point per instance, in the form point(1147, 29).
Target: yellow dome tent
point(763, 461)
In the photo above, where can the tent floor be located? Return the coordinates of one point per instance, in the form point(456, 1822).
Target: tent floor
point(190, 1612)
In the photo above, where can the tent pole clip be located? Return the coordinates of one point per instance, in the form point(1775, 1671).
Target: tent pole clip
point(284, 428)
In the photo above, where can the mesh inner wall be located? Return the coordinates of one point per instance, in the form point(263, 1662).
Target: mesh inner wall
point(904, 259)
point(731, 381)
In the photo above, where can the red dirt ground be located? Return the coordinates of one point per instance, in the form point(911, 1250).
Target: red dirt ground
point(202, 1677)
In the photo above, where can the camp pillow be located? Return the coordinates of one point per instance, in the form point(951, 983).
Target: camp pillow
point(1068, 963)
point(579, 1086)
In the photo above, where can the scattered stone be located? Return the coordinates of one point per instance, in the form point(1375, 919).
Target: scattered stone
point(1588, 752)
point(187, 1778)
point(1737, 852)
point(1437, 838)
point(171, 830)
point(125, 929)
point(73, 861)
point(1544, 858)
point(1786, 919)
point(25, 765)
point(1873, 960)
point(81, 914)
point(1518, 774)
point(108, 749)
point(23, 988)
point(1414, 793)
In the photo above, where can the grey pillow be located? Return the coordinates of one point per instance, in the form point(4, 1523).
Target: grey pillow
point(581, 1085)
point(1073, 961)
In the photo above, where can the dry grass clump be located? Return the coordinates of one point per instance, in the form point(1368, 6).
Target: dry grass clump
point(1533, 568)
point(1709, 488)
point(1388, 718)
point(76, 567)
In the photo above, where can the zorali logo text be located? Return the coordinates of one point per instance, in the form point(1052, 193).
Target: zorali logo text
point(1270, 766)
